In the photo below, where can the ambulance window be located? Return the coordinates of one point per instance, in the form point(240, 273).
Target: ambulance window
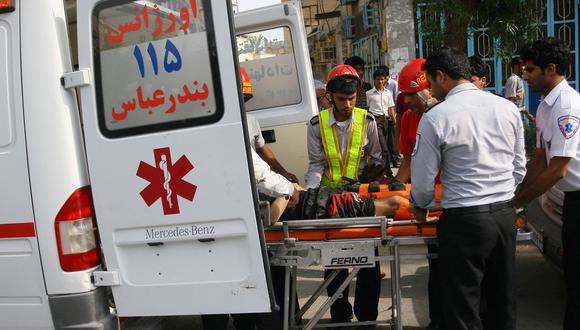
point(268, 58)
point(155, 66)
point(6, 99)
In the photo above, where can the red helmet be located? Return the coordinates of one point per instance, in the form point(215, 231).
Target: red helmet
point(246, 85)
point(342, 70)
point(412, 78)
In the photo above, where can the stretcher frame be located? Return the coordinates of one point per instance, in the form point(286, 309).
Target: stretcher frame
point(292, 253)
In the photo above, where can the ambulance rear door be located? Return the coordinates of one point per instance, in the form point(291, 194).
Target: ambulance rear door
point(273, 49)
point(168, 158)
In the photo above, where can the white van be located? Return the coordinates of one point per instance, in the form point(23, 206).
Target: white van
point(138, 155)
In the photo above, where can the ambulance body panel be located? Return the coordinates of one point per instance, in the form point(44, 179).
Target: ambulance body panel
point(22, 290)
point(55, 218)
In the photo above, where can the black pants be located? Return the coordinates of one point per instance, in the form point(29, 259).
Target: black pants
point(260, 321)
point(366, 299)
point(266, 321)
point(382, 126)
point(477, 243)
point(215, 322)
point(390, 137)
point(434, 292)
point(571, 258)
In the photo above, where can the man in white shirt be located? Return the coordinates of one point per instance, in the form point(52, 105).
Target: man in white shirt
point(557, 158)
point(476, 140)
point(514, 87)
point(393, 87)
point(382, 107)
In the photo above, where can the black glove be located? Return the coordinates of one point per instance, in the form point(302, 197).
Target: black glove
point(371, 172)
point(396, 186)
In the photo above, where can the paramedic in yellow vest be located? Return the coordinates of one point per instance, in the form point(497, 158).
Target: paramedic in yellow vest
point(339, 138)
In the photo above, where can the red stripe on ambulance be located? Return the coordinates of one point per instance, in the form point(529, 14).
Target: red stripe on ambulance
point(17, 230)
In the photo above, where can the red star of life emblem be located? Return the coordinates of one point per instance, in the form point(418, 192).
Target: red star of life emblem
point(166, 181)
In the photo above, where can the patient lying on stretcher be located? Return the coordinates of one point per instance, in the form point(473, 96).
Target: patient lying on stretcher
point(344, 202)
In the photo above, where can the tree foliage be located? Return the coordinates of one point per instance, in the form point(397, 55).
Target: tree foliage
point(510, 23)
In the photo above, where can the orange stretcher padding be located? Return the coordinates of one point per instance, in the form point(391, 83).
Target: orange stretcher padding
point(384, 191)
point(404, 212)
point(349, 233)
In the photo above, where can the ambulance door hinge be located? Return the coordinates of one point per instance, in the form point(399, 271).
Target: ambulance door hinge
point(76, 79)
point(106, 278)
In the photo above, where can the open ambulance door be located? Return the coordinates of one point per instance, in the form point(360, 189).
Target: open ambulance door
point(169, 159)
point(273, 49)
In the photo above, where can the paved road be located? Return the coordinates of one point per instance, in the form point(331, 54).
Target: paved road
point(540, 295)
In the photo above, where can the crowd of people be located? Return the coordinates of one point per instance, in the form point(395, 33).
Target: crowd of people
point(438, 125)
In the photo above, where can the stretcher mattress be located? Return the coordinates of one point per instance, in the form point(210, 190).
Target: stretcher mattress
point(427, 230)
point(404, 212)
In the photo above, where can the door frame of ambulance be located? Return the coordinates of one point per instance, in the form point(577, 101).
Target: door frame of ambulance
point(168, 159)
point(278, 63)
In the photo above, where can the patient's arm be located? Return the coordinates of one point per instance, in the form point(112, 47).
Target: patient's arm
point(388, 206)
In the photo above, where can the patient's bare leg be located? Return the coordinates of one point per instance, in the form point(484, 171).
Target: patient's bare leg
point(387, 206)
point(277, 208)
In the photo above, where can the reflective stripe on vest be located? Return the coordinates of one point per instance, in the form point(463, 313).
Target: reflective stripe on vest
point(340, 172)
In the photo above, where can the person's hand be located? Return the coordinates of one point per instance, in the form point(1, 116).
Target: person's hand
point(420, 214)
point(517, 202)
point(291, 177)
point(295, 198)
point(395, 185)
point(432, 219)
point(298, 187)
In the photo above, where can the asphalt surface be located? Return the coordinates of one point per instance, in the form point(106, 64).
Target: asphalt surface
point(540, 295)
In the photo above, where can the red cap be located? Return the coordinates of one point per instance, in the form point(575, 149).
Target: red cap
point(412, 78)
point(246, 83)
point(343, 70)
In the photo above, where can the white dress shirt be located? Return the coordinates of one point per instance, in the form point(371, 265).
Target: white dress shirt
point(255, 132)
point(557, 121)
point(477, 140)
point(514, 86)
point(393, 87)
point(269, 182)
point(379, 102)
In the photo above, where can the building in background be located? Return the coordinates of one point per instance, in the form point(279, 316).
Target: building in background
point(390, 33)
point(379, 31)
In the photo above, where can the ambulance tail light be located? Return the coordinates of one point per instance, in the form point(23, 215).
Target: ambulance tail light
point(6, 6)
point(78, 248)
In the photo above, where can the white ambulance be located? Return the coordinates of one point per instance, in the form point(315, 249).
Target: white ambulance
point(124, 163)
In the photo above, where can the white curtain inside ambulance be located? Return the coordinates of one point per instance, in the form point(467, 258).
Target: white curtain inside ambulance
point(268, 58)
point(152, 63)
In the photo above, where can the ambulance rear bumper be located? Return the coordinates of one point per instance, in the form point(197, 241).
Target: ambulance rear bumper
point(88, 310)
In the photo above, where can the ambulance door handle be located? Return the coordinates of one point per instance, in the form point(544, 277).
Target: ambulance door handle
point(155, 243)
point(206, 240)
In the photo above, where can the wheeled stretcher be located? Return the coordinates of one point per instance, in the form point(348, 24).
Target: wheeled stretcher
point(348, 243)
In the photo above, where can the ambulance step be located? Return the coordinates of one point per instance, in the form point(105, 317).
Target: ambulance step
point(106, 278)
point(76, 79)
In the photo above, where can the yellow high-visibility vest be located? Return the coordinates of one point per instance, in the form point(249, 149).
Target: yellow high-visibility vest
point(341, 171)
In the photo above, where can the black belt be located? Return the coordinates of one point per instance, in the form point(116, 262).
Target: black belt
point(572, 194)
point(492, 207)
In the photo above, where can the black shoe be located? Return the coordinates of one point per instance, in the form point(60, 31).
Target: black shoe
point(434, 326)
point(340, 321)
